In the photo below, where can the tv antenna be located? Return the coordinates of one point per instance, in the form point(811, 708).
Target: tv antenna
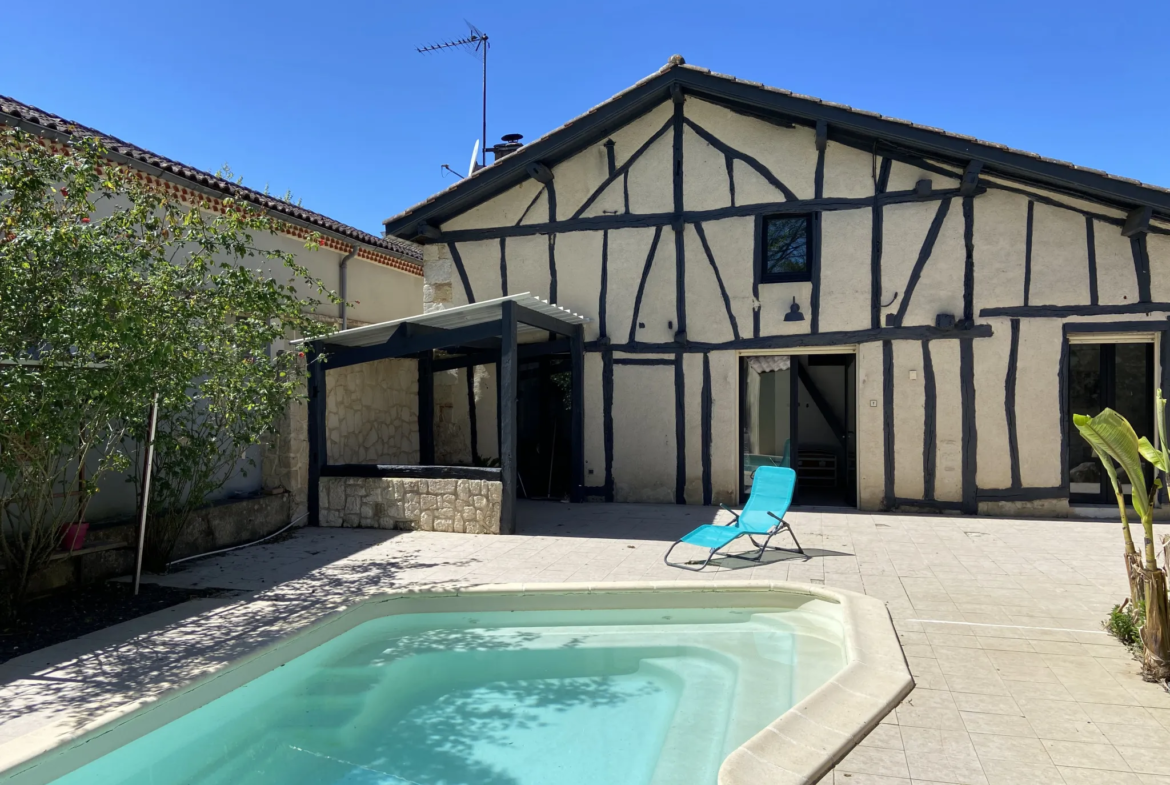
point(474, 43)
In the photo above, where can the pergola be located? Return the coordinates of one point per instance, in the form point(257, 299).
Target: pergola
point(504, 331)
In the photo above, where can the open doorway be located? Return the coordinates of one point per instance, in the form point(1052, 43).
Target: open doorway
point(544, 419)
point(799, 411)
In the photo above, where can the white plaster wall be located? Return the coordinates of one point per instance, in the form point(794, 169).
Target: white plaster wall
point(948, 463)
point(703, 166)
point(481, 260)
point(849, 173)
point(991, 367)
point(693, 406)
point(732, 242)
point(579, 276)
point(1116, 275)
point(1060, 257)
point(904, 227)
point(909, 419)
point(1000, 234)
point(904, 177)
point(651, 178)
point(870, 443)
point(628, 249)
point(725, 442)
point(644, 455)
point(1158, 248)
point(940, 288)
point(505, 210)
point(1038, 402)
point(845, 281)
point(789, 153)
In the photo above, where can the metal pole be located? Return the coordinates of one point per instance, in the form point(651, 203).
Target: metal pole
point(146, 472)
point(483, 146)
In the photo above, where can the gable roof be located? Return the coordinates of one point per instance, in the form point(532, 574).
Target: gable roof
point(38, 121)
point(845, 124)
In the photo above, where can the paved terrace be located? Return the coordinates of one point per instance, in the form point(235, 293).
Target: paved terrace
point(1000, 620)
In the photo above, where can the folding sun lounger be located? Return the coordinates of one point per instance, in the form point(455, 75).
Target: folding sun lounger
point(762, 516)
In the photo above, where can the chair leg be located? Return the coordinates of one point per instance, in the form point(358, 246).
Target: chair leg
point(784, 526)
point(681, 565)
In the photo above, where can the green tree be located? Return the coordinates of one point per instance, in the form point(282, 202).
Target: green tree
point(113, 291)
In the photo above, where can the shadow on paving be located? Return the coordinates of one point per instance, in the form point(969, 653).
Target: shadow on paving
point(78, 689)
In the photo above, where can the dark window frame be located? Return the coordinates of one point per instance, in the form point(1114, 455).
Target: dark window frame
point(762, 241)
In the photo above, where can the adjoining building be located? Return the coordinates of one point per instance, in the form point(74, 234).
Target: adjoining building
point(907, 316)
point(381, 277)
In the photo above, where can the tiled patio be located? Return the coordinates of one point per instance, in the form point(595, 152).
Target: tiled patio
point(1000, 620)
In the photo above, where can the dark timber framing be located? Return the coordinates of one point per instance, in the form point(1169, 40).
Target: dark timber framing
point(929, 423)
point(923, 257)
point(970, 434)
point(843, 126)
point(888, 421)
point(875, 259)
point(1059, 311)
point(1009, 399)
point(706, 405)
point(1028, 253)
point(1091, 247)
point(491, 342)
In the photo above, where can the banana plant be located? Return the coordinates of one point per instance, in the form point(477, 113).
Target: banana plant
point(1159, 457)
point(1114, 440)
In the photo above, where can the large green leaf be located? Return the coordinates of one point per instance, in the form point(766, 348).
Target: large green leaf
point(1153, 454)
point(1111, 434)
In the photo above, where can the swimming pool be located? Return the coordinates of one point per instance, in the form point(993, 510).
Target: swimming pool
point(632, 687)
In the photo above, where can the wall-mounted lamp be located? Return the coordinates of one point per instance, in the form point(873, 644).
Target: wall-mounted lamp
point(794, 314)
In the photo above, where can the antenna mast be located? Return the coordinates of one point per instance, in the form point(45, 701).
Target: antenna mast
point(475, 41)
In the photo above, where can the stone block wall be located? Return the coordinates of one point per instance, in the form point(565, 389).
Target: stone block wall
point(372, 413)
point(464, 506)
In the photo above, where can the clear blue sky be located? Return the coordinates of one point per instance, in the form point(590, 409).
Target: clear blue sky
point(330, 100)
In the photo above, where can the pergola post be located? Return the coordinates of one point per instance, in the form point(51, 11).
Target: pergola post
point(509, 380)
point(577, 403)
point(318, 457)
point(426, 408)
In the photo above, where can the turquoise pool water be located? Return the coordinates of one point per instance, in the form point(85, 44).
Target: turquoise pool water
point(615, 697)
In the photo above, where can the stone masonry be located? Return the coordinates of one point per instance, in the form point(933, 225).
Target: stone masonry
point(463, 506)
point(372, 411)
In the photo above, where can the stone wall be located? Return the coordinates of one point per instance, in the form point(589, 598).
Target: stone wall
point(372, 413)
point(464, 506)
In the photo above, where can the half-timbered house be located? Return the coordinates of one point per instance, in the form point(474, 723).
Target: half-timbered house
point(908, 316)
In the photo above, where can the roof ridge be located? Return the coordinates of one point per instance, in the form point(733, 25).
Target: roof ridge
point(676, 62)
point(53, 122)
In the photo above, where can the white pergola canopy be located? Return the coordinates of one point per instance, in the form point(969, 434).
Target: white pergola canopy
point(459, 316)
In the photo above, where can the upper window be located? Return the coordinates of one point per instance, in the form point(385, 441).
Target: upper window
point(787, 249)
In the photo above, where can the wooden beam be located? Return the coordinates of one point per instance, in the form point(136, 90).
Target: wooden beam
point(577, 403)
point(543, 321)
point(412, 472)
point(970, 179)
point(528, 351)
point(406, 342)
point(318, 436)
point(1137, 222)
point(426, 409)
point(509, 379)
point(427, 231)
point(822, 139)
point(539, 172)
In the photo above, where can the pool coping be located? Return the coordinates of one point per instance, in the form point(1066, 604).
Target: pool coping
point(798, 748)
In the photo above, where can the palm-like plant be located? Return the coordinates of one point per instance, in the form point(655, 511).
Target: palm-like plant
point(1114, 441)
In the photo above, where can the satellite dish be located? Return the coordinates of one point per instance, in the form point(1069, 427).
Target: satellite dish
point(474, 166)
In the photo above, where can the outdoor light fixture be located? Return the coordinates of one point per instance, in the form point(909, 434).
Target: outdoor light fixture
point(794, 314)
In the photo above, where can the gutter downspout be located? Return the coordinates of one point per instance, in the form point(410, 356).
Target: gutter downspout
point(342, 268)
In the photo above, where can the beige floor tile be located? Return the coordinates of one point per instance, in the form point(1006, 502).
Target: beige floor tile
point(986, 704)
point(1097, 777)
point(1084, 755)
point(873, 760)
point(1151, 737)
point(1001, 724)
point(934, 741)
point(1010, 772)
point(930, 767)
point(1146, 760)
point(1025, 749)
point(853, 778)
point(887, 737)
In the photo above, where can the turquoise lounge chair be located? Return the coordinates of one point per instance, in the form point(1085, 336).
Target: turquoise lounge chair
point(762, 516)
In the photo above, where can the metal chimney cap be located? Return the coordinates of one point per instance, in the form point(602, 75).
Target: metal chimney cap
point(509, 138)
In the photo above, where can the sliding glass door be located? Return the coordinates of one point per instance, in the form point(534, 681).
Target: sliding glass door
point(1118, 376)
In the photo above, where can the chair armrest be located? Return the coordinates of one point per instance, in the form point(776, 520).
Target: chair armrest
point(733, 513)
